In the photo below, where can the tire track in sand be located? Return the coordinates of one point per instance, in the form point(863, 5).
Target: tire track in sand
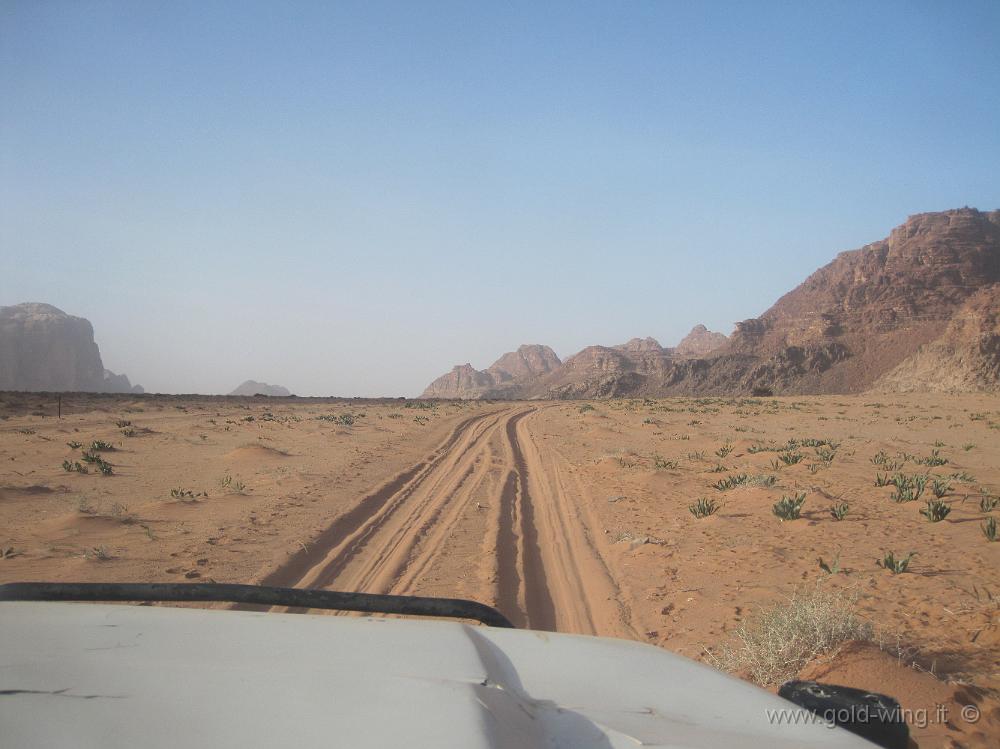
point(417, 531)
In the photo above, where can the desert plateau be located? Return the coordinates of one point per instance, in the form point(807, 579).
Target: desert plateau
point(569, 516)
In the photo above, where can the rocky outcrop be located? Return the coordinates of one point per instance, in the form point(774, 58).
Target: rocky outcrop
point(916, 310)
point(503, 379)
point(44, 349)
point(252, 387)
point(699, 343)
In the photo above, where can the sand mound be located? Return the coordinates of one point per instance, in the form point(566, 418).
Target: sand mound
point(940, 714)
point(255, 452)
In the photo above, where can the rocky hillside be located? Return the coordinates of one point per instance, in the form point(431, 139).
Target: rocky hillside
point(252, 387)
point(507, 377)
point(917, 310)
point(44, 349)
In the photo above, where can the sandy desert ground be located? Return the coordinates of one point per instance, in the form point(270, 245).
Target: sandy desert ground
point(567, 516)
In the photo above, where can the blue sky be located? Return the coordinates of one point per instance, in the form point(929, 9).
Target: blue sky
point(349, 198)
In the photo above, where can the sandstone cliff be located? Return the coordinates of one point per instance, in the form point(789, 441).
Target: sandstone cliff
point(44, 349)
point(915, 310)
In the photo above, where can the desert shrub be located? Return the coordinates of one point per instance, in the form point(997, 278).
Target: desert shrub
point(789, 508)
point(723, 451)
point(775, 645)
point(989, 528)
point(988, 503)
point(894, 565)
point(586, 407)
point(74, 445)
point(234, 485)
point(100, 553)
point(934, 459)
point(880, 458)
point(826, 453)
point(101, 446)
point(790, 459)
point(940, 487)
point(936, 510)
point(744, 479)
point(839, 511)
point(122, 423)
point(703, 507)
point(663, 464)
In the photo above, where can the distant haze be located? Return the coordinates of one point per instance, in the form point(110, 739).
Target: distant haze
point(350, 198)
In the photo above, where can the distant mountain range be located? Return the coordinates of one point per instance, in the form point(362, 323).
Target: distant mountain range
point(252, 387)
point(919, 310)
point(44, 349)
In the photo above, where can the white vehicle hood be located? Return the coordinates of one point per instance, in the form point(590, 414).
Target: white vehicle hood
point(105, 676)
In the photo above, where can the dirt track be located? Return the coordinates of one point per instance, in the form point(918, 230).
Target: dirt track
point(492, 500)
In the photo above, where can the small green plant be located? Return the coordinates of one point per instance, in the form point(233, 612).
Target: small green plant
point(934, 459)
point(882, 479)
point(235, 485)
point(968, 446)
point(105, 468)
point(940, 487)
point(128, 432)
point(663, 464)
point(74, 445)
point(122, 423)
point(185, 495)
point(790, 459)
point(880, 458)
point(723, 451)
point(839, 511)
point(936, 510)
point(988, 503)
point(908, 488)
point(789, 508)
point(989, 528)
point(101, 446)
point(826, 453)
point(743, 479)
point(894, 565)
point(703, 507)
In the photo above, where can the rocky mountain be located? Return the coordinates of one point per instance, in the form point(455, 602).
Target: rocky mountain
point(700, 342)
point(44, 349)
point(252, 387)
point(505, 378)
point(917, 310)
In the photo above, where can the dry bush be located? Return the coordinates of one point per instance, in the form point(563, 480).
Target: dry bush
point(774, 646)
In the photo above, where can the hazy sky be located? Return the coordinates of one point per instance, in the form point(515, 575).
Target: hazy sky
point(349, 198)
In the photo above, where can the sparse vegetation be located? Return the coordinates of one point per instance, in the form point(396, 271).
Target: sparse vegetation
point(940, 487)
point(663, 464)
point(790, 459)
point(936, 510)
point(234, 485)
point(101, 446)
point(723, 451)
point(989, 528)
point(744, 479)
point(894, 565)
point(840, 510)
point(74, 445)
point(100, 553)
point(988, 503)
point(703, 507)
point(789, 508)
point(775, 645)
